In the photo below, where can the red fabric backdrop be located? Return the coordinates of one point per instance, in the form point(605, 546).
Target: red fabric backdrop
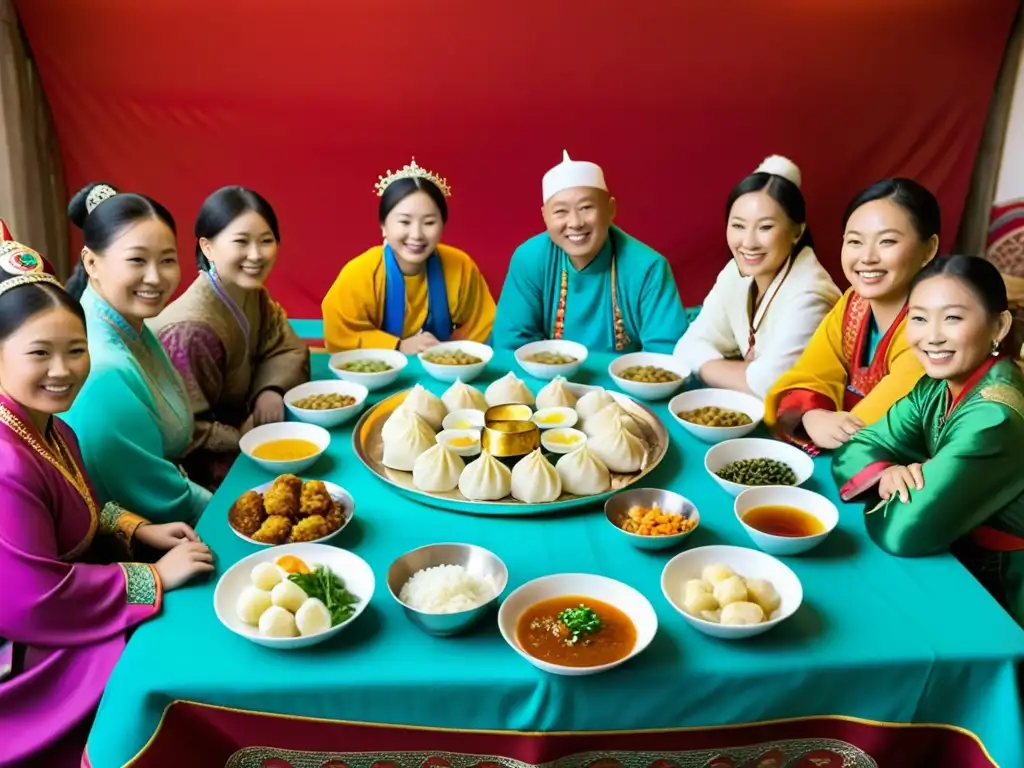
point(308, 101)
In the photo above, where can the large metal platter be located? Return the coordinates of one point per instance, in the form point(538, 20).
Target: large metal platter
point(369, 447)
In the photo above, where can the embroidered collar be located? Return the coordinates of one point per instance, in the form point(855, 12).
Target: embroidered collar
point(93, 302)
point(222, 293)
point(969, 385)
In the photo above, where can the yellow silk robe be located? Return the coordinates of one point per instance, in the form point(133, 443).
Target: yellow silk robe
point(830, 375)
point(353, 308)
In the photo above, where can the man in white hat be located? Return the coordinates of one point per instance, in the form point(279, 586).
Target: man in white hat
point(586, 280)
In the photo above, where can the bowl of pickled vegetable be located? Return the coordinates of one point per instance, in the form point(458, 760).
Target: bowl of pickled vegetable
point(547, 359)
point(751, 462)
point(648, 375)
point(326, 403)
point(714, 415)
point(373, 368)
point(453, 360)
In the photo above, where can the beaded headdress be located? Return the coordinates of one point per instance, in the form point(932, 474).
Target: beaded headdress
point(412, 171)
point(21, 261)
point(97, 195)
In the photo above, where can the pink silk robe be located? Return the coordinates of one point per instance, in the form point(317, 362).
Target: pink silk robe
point(68, 619)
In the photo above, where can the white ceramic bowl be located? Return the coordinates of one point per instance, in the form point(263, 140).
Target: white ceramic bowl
point(555, 418)
point(339, 494)
point(810, 502)
point(372, 381)
point(748, 563)
point(628, 600)
point(285, 430)
point(329, 418)
point(449, 373)
point(474, 418)
point(649, 391)
point(718, 456)
point(448, 435)
point(549, 437)
point(545, 371)
point(350, 568)
point(720, 398)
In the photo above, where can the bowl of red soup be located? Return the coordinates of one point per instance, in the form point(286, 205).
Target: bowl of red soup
point(577, 623)
point(782, 520)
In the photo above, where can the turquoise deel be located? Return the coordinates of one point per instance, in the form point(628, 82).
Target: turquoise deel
point(877, 637)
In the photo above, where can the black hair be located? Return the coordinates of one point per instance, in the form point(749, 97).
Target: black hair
point(920, 204)
point(781, 190)
point(106, 221)
point(224, 206)
point(19, 304)
point(397, 191)
point(978, 275)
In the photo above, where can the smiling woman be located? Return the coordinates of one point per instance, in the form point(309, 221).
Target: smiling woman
point(133, 410)
point(413, 291)
point(229, 340)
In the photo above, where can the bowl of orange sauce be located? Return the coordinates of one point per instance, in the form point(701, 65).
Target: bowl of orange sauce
point(286, 447)
point(785, 520)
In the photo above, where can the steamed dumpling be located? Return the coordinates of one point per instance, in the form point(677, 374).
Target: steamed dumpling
point(620, 450)
point(462, 397)
point(288, 595)
point(742, 612)
point(437, 469)
point(555, 394)
point(762, 592)
point(251, 605)
point(535, 480)
point(399, 419)
point(266, 576)
point(731, 590)
point(407, 443)
point(698, 597)
point(592, 402)
point(277, 622)
point(426, 405)
point(583, 473)
point(508, 389)
point(485, 479)
point(717, 572)
point(608, 418)
point(312, 618)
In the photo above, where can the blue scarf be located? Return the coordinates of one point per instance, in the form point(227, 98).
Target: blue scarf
point(439, 318)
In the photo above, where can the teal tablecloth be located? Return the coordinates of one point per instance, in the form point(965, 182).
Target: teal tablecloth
point(877, 637)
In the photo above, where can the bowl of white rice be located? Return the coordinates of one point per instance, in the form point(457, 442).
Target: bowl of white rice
point(446, 588)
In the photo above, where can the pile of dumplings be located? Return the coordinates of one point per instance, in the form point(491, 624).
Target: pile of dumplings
point(722, 596)
point(615, 444)
point(280, 608)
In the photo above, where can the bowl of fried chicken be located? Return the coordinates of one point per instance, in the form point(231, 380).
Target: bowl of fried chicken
point(291, 510)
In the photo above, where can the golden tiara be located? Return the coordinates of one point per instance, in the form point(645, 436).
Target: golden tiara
point(35, 277)
point(412, 171)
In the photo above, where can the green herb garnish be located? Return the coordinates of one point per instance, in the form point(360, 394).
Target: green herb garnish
point(325, 586)
point(580, 621)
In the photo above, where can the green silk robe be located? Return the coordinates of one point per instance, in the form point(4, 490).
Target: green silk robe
point(972, 502)
point(652, 312)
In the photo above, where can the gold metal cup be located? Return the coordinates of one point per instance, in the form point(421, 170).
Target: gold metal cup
point(510, 439)
point(510, 412)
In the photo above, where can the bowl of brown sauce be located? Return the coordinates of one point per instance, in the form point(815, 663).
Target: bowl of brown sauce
point(714, 415)
point(786, 520)
point(577, 623)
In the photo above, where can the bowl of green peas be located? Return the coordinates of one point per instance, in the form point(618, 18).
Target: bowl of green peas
point(373, 368)
point(751, 462)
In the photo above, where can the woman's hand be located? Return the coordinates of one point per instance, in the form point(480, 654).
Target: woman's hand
point(164, 537)
point(184, 563)
point(418, 343)
point(268, 408)
point(900, 480)
point(828, 429)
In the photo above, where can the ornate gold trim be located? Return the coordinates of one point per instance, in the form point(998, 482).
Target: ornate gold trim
point(1009, 396)
point(72, 474)
point(486, 732)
